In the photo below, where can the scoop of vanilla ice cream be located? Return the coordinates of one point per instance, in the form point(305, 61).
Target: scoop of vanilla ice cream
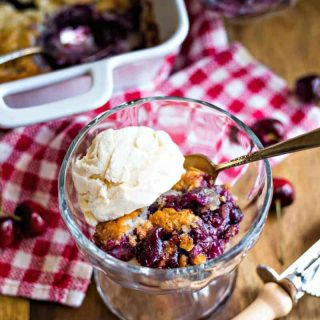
point(125, 170)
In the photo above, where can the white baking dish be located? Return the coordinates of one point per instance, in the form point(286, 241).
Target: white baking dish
point(88, 86)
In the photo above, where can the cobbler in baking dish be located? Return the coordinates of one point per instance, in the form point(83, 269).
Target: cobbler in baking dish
point(188, 225)
point(72, 32)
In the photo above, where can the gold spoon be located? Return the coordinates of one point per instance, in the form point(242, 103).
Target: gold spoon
point(308, 140)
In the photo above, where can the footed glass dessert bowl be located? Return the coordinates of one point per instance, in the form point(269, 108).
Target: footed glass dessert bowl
point(132, 291)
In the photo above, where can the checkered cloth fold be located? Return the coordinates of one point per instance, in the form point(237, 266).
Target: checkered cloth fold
point(49, 267)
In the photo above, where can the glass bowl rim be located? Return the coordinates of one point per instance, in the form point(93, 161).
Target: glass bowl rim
point(99, 254)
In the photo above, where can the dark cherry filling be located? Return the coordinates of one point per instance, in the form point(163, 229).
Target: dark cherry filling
point(123, 250)
point(150, 251)
point(79, 33)
point(189, 225)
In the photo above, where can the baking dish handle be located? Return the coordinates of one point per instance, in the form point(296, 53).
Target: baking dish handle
point(99, 93)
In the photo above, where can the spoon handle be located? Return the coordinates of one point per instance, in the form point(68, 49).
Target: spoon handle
point(305, 141)
point(19, 54)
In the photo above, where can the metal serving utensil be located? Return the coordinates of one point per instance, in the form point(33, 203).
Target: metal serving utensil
point(308, 140)
point(14, 55)
point(20, 53)
point(281, 292)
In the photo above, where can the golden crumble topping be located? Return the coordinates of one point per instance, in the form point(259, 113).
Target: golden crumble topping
point(170, 248)
point(103, 5)
point(50, 6)
point(113, 230)
point(228, 186)
point(132, 240)
point(170, 219)
point(18, 30)
point(186, 242)
point(199, 259)
point(190, 179)
point(143, 229)
point(148, 26)
point(183, 261)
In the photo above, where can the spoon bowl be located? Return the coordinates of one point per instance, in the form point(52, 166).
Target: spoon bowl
point(201, 162)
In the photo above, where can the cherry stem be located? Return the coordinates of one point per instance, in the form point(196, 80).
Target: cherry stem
point(280, 238)
point(16, 217)
point(12, 216)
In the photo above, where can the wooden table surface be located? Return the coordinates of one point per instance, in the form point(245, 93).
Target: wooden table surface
point(290, 45)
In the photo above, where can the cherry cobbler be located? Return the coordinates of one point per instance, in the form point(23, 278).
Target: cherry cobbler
point(72, 32)
point(188, 225)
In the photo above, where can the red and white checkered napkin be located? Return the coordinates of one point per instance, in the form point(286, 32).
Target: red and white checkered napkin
point(49, 267)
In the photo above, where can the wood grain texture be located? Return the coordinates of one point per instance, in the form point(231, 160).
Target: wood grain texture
point(14, 308)
point(301, 225)
point(92, 309)
point(289, 44)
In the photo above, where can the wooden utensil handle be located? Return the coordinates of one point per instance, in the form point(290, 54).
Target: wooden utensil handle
point(272, 302)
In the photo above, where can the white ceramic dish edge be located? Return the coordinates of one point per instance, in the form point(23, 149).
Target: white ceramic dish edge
point(103, 73)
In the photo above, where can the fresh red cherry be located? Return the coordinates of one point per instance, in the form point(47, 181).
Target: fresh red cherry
point(32, 223)
point(283, 192)
point(269, 131)
point(37, 224)
point(8, 231)
point(308, 88)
